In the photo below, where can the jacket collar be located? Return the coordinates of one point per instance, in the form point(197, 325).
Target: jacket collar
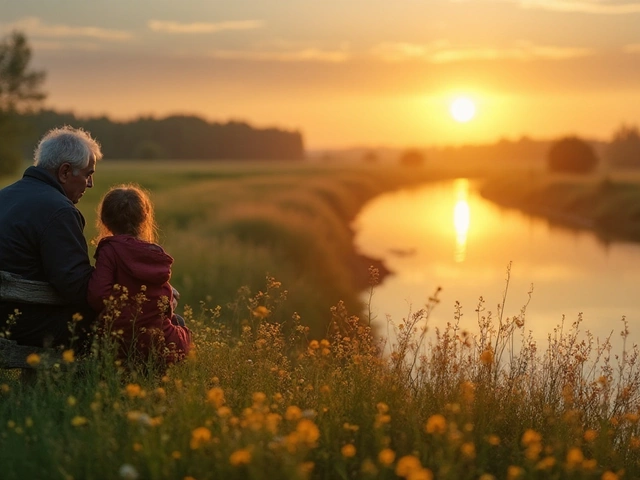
point(44, 176)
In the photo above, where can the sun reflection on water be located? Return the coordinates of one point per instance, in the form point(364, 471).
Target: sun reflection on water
point(461, 218)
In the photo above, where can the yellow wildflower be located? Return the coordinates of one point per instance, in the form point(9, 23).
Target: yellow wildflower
point(78, 421)
point(68, 356)
point(407, 464)
point(307, 432)
point(71, 400)
point(199, 437)
point(514, 472)
point(133, 390)
point(575, 457)
point(176, 455)
point(493, 440)
point(215, 396)
point(261, 312)
point(386, 457)
point(530, 437)
point(348, 450)
point(314, 345)
point(293, 413)
point(486, 476)
point(240, 457)
point(420, 474)
point(160, 392)
point(33, 359)
point(609, 475)
point(436, 424)
point(468, 450)
point(486, 357)
point(224, 412)
point(259, 398)
point(546, 463)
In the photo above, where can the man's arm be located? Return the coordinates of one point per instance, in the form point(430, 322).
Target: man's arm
point(65, 257)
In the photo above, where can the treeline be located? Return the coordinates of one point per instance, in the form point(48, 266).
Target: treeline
point(177, 137)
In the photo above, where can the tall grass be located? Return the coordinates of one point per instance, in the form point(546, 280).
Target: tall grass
point(259, 399)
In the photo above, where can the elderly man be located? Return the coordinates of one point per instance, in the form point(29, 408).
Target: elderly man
point(44, 261)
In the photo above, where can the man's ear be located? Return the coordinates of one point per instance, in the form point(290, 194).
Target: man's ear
point(64, 172)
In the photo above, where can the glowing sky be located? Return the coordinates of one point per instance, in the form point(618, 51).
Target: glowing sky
point(345, 72)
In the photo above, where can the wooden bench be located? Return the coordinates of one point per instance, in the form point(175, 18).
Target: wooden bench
point(14, 357)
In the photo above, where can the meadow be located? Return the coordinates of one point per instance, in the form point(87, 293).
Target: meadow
point(288, 379)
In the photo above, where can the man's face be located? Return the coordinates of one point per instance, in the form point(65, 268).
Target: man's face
point(75, 185)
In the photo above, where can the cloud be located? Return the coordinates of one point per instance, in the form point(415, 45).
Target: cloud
point(52, 45)
point(167, 26)
point(301, 55)
point(442, 52)
point(37, 28)
point(603, 7)
point(632, 48)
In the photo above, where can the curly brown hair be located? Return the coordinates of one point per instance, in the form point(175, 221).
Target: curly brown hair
point(127, 210)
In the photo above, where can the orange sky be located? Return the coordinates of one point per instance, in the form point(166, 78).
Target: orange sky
point(347, 73)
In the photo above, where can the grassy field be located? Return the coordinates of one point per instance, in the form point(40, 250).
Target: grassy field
point(607, 204)
point(288, 380)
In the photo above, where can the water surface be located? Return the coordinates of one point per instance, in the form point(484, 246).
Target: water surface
point(446, 235)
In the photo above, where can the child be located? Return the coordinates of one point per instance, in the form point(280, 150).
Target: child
point(130, 284)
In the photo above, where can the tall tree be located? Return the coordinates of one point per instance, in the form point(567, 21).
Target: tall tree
point(20, 92)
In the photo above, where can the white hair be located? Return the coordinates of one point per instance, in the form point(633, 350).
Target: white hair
point(66, 145)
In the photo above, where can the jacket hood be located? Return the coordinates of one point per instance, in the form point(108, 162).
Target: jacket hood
point(145, 261)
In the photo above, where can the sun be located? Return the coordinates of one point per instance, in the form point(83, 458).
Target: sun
point(462, 109)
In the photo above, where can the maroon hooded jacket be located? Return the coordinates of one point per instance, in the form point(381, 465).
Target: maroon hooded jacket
point(145, 313)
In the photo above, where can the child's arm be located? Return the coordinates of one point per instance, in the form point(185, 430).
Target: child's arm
point(102, 279)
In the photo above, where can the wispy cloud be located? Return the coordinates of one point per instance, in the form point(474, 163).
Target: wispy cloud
point(167, 26)
point(35, 27)
point(442, 52)
point(602, 7)
point(53, 45)
point(301, 55)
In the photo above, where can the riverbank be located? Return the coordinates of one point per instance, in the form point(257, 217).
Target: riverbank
point(231, 227)
point(610, 208)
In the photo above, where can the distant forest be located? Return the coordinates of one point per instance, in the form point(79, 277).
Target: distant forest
point(178, 137)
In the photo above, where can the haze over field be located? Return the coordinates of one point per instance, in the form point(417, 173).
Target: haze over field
point(346, 73)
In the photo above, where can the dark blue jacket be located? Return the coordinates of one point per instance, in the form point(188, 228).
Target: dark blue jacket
point(41, 235)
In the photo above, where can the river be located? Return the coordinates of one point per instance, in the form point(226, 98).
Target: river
point(446, 235)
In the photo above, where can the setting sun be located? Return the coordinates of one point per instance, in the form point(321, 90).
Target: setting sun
point(462, 109)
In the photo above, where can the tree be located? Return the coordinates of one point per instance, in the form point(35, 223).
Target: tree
point(20, 92)
point(624, 149)
point(412, 158)
point(571, 155)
